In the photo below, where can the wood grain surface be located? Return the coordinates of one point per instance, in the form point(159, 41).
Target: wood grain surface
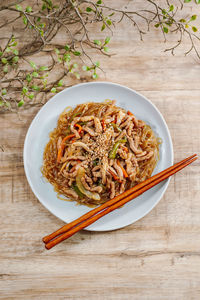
point(158, 257)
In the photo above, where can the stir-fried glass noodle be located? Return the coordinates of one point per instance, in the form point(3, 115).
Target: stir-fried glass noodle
point(97, 151)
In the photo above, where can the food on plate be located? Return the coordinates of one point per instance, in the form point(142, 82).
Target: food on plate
point(97, 151)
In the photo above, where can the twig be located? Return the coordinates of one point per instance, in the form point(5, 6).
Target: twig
point(73, 21)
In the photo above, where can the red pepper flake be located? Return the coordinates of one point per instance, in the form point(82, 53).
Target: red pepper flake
point(129, 113)
point(103, 125)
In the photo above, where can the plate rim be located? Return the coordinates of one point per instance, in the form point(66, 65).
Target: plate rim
point(97, 83)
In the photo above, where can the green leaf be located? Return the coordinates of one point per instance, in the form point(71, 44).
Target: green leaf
point(13, 44)
point(85, 68)
point(4, 60)
point(157, 25)
point(67, 47)
point(109, 22)
point(107, 40)
point(193, 18)
point(28, 9)
point(29, 77)
point(53, 90)
point(77, 75)
point(35, 74)
point(165, 29)
point(25, 21)
point(43, 68)
point(171, 8)
point(164, 12)
point(25, 90)
point(15, 51)
point(4, 92)
point(49, 3)
point(182, 20)
point(35, 87)
point(15, 59)
point(20, 103)
point(33, 65)
point(97, 63)
point(60, 82)
point(187, 1)
point(103, 27)
point(7, 49)
point(5, 69)
point(18, 7)
point(194, 29)
point(94, 76)
point(111, 14)
point(106, 49)
point(77, 53)
point(42, 25)
point(75, 66)
point(97, 42)
point(88, 9)
point(41, 32)
point(7, 104)
point(57, 51)
point(99, 2)
point(1, 53)
point(38, 19)
point(31, 96)
point(44, 6)
point(44, 81)
point(67, 57)
point(197, 1)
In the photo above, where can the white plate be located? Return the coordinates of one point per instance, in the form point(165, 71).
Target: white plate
point(46, 120)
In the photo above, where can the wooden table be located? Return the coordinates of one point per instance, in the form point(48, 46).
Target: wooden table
point(158, 257)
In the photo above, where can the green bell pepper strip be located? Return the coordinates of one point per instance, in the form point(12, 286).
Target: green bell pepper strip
point(116, 127)
point(76, 189)
point(91, 195)
point(113, 152)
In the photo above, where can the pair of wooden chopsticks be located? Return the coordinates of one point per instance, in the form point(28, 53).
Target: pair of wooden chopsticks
point(69, 229)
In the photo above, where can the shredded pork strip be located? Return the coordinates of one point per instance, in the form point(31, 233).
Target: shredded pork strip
point(119, 171)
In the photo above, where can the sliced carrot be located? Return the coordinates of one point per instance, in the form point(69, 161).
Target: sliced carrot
point(123, 170)
point(79, 127)
point(62, 146)
point(114, 176)
point(125, 149)
point(103, 125)
point(129, 113)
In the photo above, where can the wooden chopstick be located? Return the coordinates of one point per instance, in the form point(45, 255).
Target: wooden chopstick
point(66, 227)
point(90, 217)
